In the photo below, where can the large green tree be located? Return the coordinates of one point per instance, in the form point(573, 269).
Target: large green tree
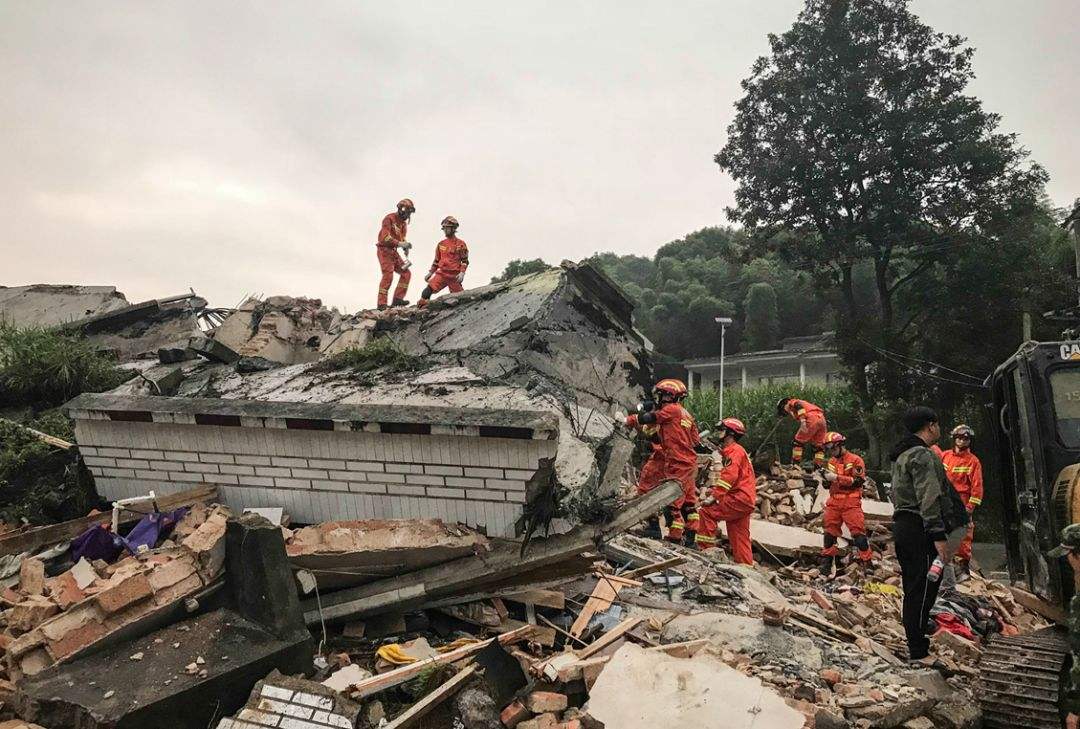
point(762, 328)
point(520, 267)
point(856, 134)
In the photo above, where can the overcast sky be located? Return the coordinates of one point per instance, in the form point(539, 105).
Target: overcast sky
point(253, 147)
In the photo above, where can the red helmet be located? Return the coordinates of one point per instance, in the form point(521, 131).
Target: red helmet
point(733, 425)
point(834, 438)
point(674, 388)
point(449, 220)
point(408, 204)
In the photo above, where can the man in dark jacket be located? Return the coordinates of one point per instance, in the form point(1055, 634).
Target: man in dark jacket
point(927, 509)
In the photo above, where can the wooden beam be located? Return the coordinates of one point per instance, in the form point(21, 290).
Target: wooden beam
point(544, 598)
point(609, 637)
point(32, 539)
point(408, 591)
point(1037, 605)
point(605, 592)
point(641, 572)
point(43, 437)
point(415, 712)
point(398, 676)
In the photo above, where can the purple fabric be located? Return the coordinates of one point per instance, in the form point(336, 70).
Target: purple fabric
point(97, 542)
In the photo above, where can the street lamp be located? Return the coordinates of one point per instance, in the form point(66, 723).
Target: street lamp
point(723, 321)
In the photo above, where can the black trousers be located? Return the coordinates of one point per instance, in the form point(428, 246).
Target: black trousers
point(915, 552)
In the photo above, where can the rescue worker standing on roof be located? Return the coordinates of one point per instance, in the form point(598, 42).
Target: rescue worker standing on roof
point(675, 459)
point(965, 473)
point(845, 473)
point(811, 434)
point(448, 268)
point(392, 237)
point(732, 494)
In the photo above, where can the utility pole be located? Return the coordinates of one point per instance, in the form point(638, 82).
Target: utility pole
point(723, 321)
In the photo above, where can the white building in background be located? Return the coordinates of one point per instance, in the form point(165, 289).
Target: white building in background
point(806, 360)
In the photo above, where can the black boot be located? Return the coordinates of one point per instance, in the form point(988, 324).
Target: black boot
point(382, 307)
point(400, 302)
point(689, 538)
point(825, 565)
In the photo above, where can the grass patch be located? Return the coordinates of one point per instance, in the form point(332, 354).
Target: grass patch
point(43, 368)
point(381, 353)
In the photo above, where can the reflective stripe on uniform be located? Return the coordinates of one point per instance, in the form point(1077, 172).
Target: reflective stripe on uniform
point(721, 483)
point(975, 500)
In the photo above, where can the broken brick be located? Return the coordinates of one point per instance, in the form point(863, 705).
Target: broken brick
point(31, 613)
point(831, 676)
point(539, 702)
point(32, 577)
point(170, 573)
point(514, 713)
point(64, 590)
point(128, 591)
point(76, 639)
point(544, 721)
point(24, 643)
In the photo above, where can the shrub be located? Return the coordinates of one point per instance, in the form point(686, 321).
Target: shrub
point(378, 353)
point(38, 482)
point(43, 368)
point(756, 407)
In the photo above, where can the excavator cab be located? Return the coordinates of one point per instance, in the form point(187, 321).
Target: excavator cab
point(1036, 408)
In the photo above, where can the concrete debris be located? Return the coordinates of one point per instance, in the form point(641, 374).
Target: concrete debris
point(47, 305)
point(701, 692)
point(345, 553)
point(502, 416)
point(279, 329)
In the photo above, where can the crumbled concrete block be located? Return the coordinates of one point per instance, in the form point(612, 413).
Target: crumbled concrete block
point(295, 703)
point(213, 350)
point(543, 721)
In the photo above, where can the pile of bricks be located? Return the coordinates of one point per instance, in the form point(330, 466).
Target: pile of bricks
point(50, 620)
point(544, 710)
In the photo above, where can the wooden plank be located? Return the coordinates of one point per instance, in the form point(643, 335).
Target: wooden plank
point(415, 712)
point(544, 598)
point(398, 676)
point(406, 592)
point(605, 592)
point(541, 635)
point(781, 539)
point(573, 671)
point(655, 567)
point(1037, 605)
point(32, 539)
point(609, 637)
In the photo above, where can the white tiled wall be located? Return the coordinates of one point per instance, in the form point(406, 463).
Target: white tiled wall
point(320, 475)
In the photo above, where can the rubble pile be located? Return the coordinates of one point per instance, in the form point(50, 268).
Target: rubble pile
point(49, 620)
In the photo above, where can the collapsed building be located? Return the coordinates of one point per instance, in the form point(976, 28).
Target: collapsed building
point(493, 408)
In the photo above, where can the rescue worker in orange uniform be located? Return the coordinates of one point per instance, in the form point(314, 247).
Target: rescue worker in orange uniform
point(676, 435)
point(448, 268)
point(811, 433)
point(732, 494)
point(965, 473)
point(392, 237)
point(845, 473)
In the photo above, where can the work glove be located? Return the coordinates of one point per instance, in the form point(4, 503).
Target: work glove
point(405, 246)
point(460, 277)
point(429, 275)
point(829, 476)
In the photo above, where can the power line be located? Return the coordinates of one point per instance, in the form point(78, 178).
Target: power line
point(924, 373)
point(938, 365)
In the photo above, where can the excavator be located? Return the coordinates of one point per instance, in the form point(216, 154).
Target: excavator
point(1036, 413)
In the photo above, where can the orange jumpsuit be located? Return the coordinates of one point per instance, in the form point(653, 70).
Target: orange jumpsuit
point(391, 235)
point(451, 260)
point(845, 505)
point(965, 472)
point(812, 430)
point(734, 487)
point(674, 459)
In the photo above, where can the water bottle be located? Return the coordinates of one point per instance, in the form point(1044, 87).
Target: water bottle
point(935, 570)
